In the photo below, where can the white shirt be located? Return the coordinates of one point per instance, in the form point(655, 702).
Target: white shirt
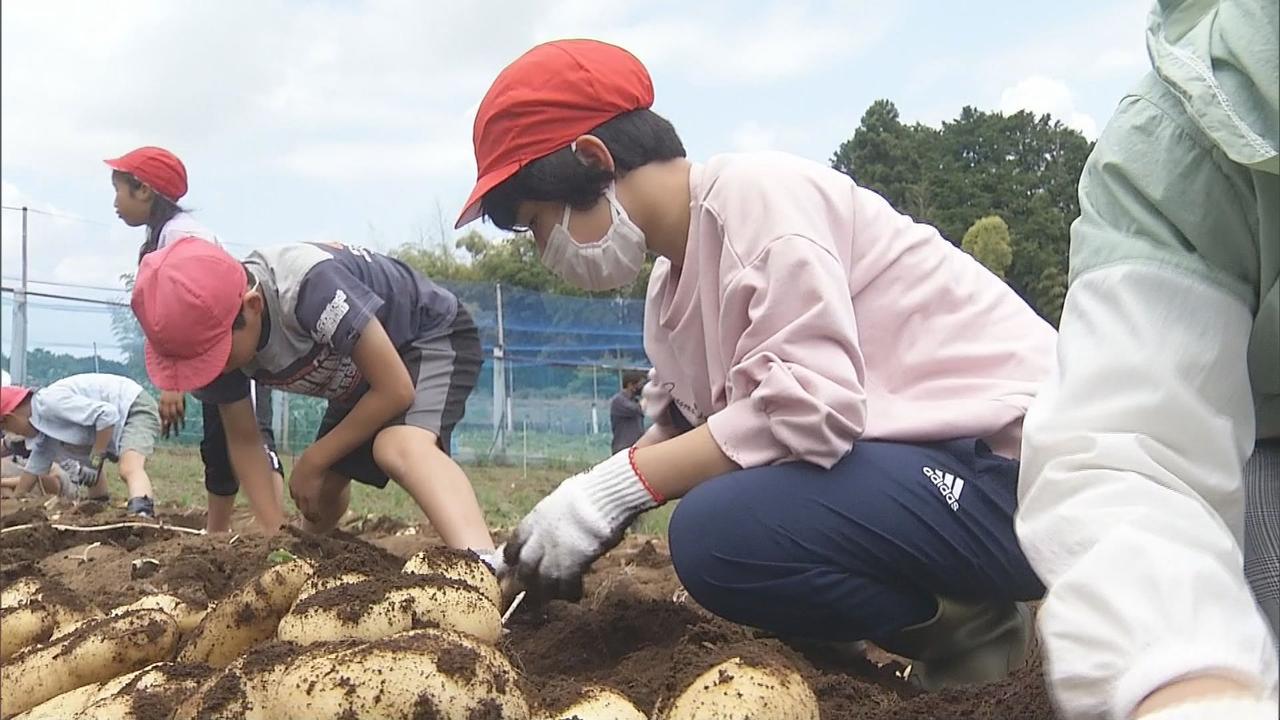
point(184, 224)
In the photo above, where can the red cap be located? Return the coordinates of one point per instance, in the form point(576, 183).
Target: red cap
point(11, 396)
point(544, 100)
point(186, 297)
point(157, 167)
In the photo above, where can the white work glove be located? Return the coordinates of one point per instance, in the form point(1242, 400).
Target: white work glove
point(578, 522)
point(1236, 708)
point(654, 399)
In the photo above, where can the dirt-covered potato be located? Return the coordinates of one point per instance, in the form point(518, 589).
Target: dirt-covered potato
point(416, 674)
point(97, 651)
point(151, 692)
point(33, 611)
point(247, 616)
point(18, 592)
point(187, 614)
point(462, 565)
point(596, 703)
point(736, 690)
point(372, 608)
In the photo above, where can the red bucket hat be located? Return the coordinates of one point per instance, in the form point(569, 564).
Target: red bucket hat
point(11, 396)
point(157, 167)
point(546, 99)
point(186, 297)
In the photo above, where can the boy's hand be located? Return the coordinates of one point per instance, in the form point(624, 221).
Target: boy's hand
point(173, 412)
point(305, 483)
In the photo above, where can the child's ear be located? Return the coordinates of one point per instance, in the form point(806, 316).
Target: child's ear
point(591, 150)
point(252, 302)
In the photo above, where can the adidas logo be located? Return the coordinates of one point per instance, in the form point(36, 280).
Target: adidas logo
point(949, 485)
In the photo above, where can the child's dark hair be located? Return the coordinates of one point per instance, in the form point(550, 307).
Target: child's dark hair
point(634, 139)
point(162, 211)
point(631, 377)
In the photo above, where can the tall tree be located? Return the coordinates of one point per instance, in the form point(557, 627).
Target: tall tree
point(987, 240)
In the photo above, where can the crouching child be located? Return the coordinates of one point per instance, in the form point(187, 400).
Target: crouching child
point(395, 355)
point(89, 418)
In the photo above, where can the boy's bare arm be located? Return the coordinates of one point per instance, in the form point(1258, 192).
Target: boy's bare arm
point(250, 464)
point(390, 393)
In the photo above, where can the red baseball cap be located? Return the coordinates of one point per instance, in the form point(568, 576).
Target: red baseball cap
point(186, 297)
point(544, 100)
point(157, 167)
point(11, 396)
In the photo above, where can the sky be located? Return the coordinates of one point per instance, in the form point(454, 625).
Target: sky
point(323, 120)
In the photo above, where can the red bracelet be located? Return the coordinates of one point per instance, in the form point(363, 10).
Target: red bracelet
point(657, 497)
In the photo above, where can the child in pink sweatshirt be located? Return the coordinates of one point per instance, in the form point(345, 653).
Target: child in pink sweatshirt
point(838, 390)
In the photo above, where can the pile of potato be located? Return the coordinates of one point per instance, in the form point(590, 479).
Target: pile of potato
point(296, 643)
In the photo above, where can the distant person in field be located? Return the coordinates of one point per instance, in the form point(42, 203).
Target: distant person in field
point(148, 183)
point(395, 355)
point(838, 390)
point(1150, 491)
point(626, 419)
point(91, 418)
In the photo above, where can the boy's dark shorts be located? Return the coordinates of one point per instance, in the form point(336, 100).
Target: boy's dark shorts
point(444, 369)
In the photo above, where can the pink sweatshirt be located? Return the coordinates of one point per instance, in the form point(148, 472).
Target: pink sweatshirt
point(808, 313)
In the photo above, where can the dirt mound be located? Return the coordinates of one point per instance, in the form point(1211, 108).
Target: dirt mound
point(635, 629)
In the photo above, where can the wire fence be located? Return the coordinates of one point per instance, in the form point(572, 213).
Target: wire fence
point(552, 363)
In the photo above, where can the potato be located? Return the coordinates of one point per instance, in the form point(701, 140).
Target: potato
point(246, 616)
point(98, 651)
point(419, 673)
point(462, 565)
point(145, 693)
point(369, 609)
point(33, 611)
point(598, 703)
point(187, 615)
point(65, 705)
point(734, 690)
point(19, 592)
point(227, 693)
point(154, 690)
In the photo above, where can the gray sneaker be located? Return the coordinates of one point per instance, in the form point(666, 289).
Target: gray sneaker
point(142, 506)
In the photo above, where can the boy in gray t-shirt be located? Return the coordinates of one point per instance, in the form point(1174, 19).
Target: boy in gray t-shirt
point(395, 354)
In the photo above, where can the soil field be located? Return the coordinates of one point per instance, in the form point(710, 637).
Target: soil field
point(635, 630)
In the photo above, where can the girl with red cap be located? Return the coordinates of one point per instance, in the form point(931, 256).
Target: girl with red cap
point(838, 390)
point(149, 182)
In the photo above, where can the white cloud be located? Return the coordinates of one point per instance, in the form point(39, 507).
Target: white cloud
point(726, 42)
point(751, 136)
point(1041, 95)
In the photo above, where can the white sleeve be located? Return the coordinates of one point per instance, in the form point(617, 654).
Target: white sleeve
point(1131, 497)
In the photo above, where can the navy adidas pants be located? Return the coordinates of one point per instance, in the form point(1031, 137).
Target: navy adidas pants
point(860, 550)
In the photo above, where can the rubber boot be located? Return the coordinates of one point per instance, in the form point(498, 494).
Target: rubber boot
point(965, 644)
point(141, 506)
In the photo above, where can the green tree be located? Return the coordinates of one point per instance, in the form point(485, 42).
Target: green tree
point(987, 240)
point(1050, 291)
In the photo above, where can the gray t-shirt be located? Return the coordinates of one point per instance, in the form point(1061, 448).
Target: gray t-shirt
point(319, 298)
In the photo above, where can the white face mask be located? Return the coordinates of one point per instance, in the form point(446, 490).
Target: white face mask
point(607, 264)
